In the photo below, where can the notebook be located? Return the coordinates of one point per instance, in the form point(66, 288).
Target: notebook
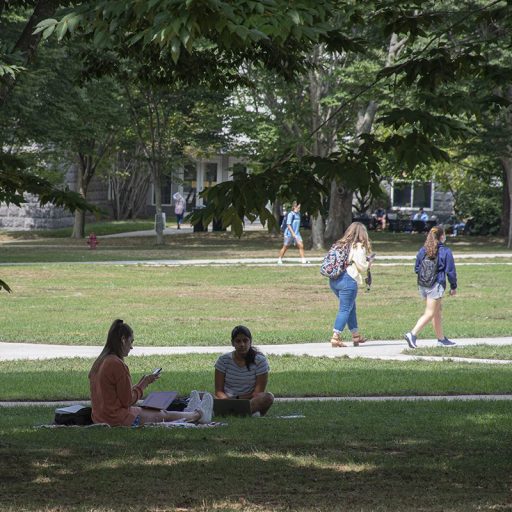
point(159, 400)
point(231, 407)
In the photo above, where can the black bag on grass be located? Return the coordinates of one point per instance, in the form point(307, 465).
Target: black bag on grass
point(73, 415)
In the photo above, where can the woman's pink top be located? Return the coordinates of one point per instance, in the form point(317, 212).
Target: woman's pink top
point(112, 393)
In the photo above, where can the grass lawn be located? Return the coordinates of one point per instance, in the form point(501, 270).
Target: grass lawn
point(66, 379)
point(75, 304)
point(473, 351)
point(38, 247)
point(391, 456)
point(99, 228)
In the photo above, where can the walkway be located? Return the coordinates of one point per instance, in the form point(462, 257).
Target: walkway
point(410, 398)
point(387, 350)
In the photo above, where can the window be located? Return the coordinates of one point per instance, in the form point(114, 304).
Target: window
point(238, 170)
point(190, 184)
point(210, 175)
point(166, 188)
point(412, 195)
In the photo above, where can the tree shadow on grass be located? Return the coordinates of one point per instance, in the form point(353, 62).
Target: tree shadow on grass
point(351, 461)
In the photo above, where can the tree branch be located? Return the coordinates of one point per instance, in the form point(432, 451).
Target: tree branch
point(27, 42)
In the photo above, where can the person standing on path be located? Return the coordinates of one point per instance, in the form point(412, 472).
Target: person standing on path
point(345, 287)
point(179, 208)
point(291, 234)
point(443, 265)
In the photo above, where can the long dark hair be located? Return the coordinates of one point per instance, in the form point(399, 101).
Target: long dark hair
point(250, 357)
point(114, 344)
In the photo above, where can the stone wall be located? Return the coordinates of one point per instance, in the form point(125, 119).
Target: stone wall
point(443, 204)
point(31, 215)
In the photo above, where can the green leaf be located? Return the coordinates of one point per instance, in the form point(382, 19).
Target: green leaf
point(175, 49)
point(295, 16)
point(45, 24)
point(4, 286)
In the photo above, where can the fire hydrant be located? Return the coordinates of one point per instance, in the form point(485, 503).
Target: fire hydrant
point(92, 241)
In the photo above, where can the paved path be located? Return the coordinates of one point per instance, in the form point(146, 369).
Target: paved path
point(388, 350)
point(410, 398)
point(384, 261)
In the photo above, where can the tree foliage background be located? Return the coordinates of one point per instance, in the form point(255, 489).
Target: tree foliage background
point(333, 96)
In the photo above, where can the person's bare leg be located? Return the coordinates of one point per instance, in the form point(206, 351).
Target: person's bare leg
point(437, 321)
point(282, 251)
point(426, 317)
point(148, 416)
point(300, 246)
point(261, 403)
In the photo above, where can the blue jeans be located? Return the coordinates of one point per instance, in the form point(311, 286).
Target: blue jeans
point(345, 288)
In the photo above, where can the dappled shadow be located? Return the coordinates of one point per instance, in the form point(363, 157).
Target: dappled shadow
point(381, 460)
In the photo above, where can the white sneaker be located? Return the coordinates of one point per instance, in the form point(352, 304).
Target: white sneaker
point(256, 414)
point(206, 408)
point(194, 402)
point(279, 261)
point(305, 262)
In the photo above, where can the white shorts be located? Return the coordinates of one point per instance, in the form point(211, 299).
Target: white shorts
point(436, 292)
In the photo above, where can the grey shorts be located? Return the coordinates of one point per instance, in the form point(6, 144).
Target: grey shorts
point(436, 292)
point(289, 240)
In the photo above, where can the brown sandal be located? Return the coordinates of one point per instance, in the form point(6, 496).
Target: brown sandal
point(336, 341)
point(358, 338)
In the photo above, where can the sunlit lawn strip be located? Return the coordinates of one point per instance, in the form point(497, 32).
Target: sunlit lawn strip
point(169, 306)
point(29, 247)
point(66, 379)
point(341, 456)
point(471, 351)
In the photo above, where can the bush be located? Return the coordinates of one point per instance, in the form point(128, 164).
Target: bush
point(482, 207)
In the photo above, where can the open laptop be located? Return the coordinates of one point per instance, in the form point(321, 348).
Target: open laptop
point(159, 400)
point(231, 407)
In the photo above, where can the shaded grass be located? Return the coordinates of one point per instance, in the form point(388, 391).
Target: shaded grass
point(99, 228)
point(472, 351)
point(341, 456)
point(66, 379)
point(30, 247)
point(168, 306)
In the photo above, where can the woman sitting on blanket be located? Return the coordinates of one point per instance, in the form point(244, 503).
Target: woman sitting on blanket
point(243, 373)
point(113, 397)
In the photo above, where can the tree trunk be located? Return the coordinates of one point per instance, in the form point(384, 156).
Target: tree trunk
point(507, 210)
point(340, 211)
point(277, 209)
point(317, 90)
point(159, 218)
point(87, 164)
point(341, 196)
point(317, 232)
point(81, 188)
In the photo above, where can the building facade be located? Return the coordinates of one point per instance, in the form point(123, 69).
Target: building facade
point(189, 181)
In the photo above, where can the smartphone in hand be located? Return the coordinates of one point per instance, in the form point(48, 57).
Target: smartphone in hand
point(156, 371)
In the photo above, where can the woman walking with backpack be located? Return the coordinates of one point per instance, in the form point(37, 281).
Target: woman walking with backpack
point(434, 264)
point(354, 247)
